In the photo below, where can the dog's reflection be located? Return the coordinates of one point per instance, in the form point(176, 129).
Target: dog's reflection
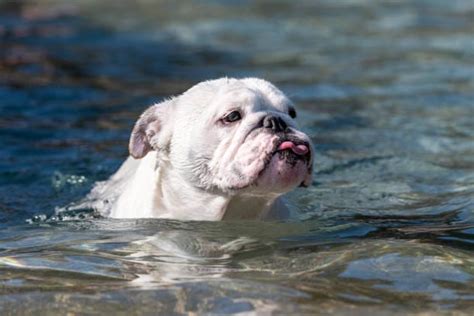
point(177, 256)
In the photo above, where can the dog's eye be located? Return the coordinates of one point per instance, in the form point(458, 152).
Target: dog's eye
point(292, 113)
point(232, 117)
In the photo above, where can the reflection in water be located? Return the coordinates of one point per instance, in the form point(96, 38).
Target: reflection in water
point(384, 89)
point(231, 265)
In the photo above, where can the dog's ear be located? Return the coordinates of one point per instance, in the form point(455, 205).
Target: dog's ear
point(146, 134)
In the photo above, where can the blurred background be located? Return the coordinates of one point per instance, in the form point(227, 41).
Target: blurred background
point(384, 88)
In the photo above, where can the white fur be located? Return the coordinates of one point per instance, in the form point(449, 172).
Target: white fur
point(192, 166)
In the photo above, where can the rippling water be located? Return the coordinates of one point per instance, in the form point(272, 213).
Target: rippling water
point(385, 89)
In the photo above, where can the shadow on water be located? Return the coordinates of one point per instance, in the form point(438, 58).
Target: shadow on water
point(384, 90)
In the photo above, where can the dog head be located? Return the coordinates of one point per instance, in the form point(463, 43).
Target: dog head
point(229, 136)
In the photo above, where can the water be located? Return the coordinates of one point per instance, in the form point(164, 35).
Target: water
point(385, 89)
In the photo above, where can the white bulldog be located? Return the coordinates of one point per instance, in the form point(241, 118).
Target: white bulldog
point(224, 149)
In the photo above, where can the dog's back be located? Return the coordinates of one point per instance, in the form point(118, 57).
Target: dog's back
point(104, 194)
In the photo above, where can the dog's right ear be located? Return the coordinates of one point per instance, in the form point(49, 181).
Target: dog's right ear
point(147, 132)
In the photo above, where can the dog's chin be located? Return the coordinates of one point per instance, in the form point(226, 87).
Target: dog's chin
point(284, 171)
point(286, 167)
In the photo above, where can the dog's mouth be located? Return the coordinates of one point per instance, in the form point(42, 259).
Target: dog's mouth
point(292, 149)
point(288, 157)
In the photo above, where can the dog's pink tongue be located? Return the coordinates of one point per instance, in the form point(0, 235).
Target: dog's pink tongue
point(297, 149)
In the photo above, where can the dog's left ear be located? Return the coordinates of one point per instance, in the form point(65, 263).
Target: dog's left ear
point(149, 132)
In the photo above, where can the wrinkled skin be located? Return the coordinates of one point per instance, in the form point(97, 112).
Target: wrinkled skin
point(230, 157)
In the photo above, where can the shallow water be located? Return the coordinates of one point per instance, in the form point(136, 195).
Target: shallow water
point(385, 89)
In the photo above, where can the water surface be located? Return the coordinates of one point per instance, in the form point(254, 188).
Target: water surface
point(385, 90)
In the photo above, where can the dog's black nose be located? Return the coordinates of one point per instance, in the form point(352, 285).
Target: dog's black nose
point(276, 124)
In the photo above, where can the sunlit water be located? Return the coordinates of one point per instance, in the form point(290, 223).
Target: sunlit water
point(385, 89)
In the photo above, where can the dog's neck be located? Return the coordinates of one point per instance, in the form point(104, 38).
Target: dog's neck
point(162, 192)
